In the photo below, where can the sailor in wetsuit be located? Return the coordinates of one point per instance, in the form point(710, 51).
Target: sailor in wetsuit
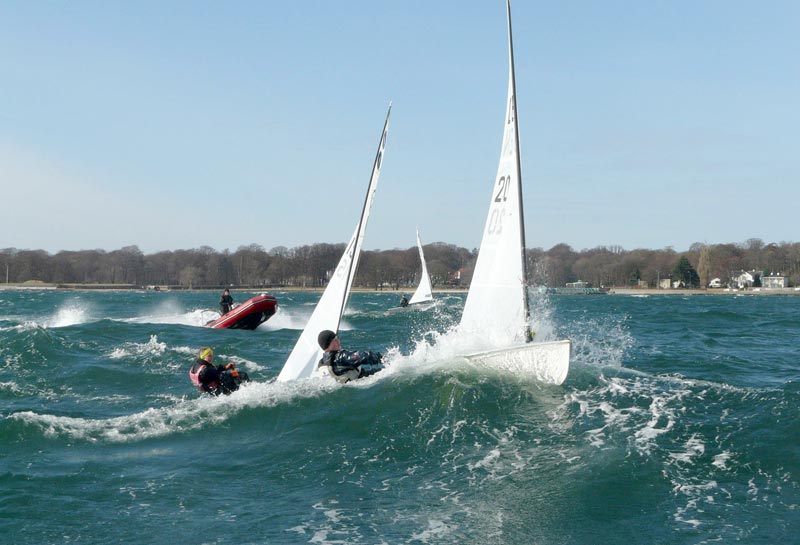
point(215, 379)
point(347, 365)
point(226, 301)
point(404, 301)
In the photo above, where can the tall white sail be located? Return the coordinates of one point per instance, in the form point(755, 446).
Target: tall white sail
point(496, 311)
point(302, 362)
point(424, 292)
point(496, 306)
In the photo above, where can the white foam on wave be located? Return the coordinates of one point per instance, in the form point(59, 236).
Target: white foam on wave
point(332, 523)
point(600, 342)
point(153, 347)
point(286, 319)
point(721, 460)
point(696, 494)
point(171, 311)
point(12, 387)
point(178, 417)
point(27, 326)
point(693, 448)
point(70, 313)
point(616, 405)
point(154, 350)
point(645, 416)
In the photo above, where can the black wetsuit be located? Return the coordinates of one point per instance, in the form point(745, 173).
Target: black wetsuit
point(404, 301)
point(347, 365)
point(215, 380)
point(225, 303)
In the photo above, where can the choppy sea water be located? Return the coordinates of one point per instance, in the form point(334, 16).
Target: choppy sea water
point(678, 423)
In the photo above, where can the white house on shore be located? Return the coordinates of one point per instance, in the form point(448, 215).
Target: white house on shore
point(774, 281)
point(746, 279)
point(742, 279)
point(715, 283)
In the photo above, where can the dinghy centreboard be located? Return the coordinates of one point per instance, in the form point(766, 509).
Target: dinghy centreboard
point(497, 309)
point(302, 362)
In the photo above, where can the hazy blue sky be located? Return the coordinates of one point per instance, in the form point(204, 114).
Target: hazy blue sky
point(178, 124)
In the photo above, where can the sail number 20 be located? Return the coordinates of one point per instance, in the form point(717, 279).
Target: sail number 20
point(502, 189)
point(496, 217)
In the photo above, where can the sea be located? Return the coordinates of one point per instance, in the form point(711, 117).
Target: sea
point(677, 424)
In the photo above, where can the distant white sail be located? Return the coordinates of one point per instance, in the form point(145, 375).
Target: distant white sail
point(424, 292)
point(302, 362)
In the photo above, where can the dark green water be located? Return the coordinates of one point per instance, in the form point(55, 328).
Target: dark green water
point(678, 423)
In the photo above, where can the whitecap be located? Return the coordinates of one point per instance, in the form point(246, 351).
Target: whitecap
point(171, 311)
point(130, 349)
point(71, 313)
point(179, 417)
point(721, 460)
point(285, 319)
point(693, 448)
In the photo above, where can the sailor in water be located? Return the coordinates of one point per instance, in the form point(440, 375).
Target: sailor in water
point(347, 365)
point(226, 301)
point(215, 379)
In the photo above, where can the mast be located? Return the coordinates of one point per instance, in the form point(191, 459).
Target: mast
point(375, 165)
point(528, 337)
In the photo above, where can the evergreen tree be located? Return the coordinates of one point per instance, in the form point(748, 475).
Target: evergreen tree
point(685, 272)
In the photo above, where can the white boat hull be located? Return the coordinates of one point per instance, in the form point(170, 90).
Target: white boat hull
point(547, 362)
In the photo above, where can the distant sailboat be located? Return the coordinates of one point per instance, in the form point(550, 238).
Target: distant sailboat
point(497, 308)
point(302, 362)
point(423, 293)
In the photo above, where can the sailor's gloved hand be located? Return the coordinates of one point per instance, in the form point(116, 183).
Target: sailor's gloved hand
point(230, 365)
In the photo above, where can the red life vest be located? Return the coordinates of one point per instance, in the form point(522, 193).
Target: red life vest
point(194, 374)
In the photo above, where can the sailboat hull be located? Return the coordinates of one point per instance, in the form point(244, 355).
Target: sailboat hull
point(547, 362)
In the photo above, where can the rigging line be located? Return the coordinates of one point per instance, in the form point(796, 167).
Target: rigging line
point(528, 337)
point(375, 165)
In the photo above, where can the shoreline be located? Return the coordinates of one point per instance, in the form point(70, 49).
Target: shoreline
point(611, 291)
point(710, 291)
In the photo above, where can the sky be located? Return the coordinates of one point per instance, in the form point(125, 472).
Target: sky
point(175, 125)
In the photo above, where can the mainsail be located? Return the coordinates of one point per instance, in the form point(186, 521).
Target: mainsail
point(497, 302)
point(496, 311)
point(302, 362)
point(423, 293)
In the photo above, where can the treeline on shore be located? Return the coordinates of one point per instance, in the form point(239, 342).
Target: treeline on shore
point(448, 265)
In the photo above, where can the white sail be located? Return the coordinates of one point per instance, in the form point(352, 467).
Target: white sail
point(302, 362)
point(424, 292)
point(496, 310)
point(497, 298)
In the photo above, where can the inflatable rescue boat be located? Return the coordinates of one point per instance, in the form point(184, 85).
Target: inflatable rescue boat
point(248, 315)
